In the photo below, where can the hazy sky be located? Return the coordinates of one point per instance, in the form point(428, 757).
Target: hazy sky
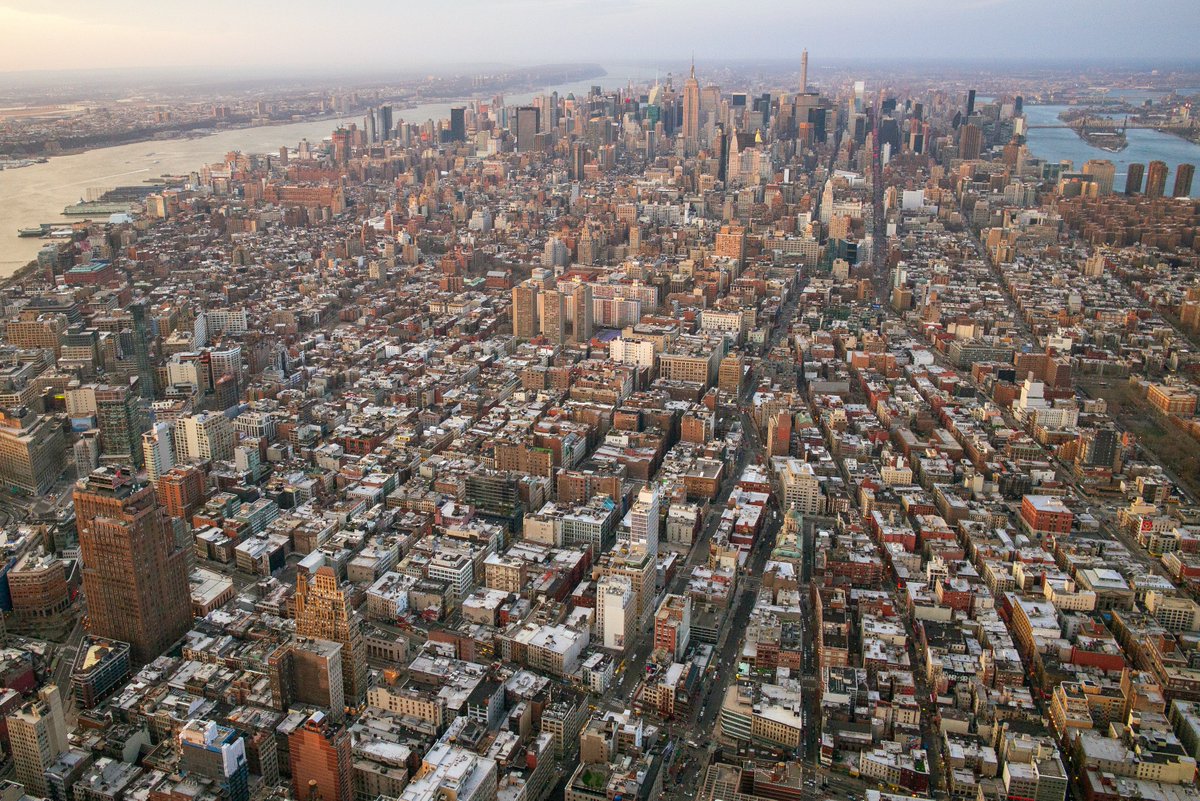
point(73, 34)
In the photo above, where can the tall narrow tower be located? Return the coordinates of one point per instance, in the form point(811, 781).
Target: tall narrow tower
point(141, 349)
point(134, 575)
point(691, 108)
point(804, 71)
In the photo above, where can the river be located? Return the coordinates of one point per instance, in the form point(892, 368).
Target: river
point(38, 193)
point(1145, 146)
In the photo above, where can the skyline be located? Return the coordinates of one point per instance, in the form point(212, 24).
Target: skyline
point(635, 401)
point(226, 35)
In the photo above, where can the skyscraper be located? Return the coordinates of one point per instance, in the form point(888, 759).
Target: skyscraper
point(134, 576)
point(121, 423)
point(578, 160)
point(384, 127)
point(1156, 179)
point(524, 310)
point(1133, 180)
point(804, 70)
point(528, 120)
point(342, 142)
point(970, 142)
point(141, 349)
point(323, 611)
point(691, 109)
point(970, 102)
point(37, 734)
point(1183, 180)
point(722, 144)
point(458, 124)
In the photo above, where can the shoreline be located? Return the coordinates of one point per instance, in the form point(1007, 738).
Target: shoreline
point(399, 108)
point(182, 135)
point(19, 275)
point(243, 135)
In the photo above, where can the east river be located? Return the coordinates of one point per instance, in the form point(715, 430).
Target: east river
point(1145, 146)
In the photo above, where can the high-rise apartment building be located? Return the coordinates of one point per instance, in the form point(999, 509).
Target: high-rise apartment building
point(323, 611)
point(204, 437)
point(556, 253)
point(37, 735)
point(1133, 178)
point(1102, 172)
point(582, 324)
point(1183, 180)
point(553, 313)
point(578, 160)
point(158, 449)
point(134, 575)
point(643, 522)
point(1156, 179)
point(731, 243)
point(180, 490)
point(673, 625)
point(525, 310)
point(616, 607)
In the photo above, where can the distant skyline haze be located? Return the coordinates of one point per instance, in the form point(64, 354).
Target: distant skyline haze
point(358, 34)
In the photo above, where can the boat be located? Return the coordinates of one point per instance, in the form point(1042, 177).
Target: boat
point(30, 232)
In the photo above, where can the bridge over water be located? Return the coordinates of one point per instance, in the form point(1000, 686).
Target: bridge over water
point(1101, 124)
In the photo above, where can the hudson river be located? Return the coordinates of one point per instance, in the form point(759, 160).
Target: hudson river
point(38, 193)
